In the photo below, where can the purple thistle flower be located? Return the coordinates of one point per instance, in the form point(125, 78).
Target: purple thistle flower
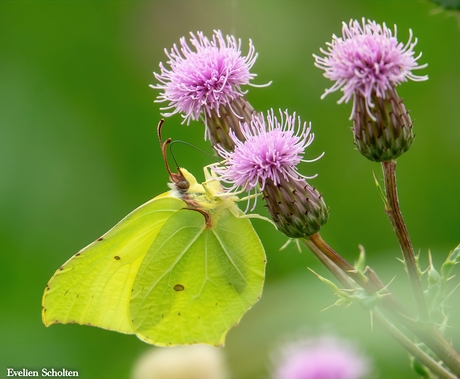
point(270, 150)
point(266, 159)
point(368, 60)
point(205, 77)
point(323, 357)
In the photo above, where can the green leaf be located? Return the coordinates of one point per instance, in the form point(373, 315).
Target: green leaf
point(452, 260)
point(437, 290)
point(420, 369)
point(345, 296)
point(381, 192)
point(360, 264)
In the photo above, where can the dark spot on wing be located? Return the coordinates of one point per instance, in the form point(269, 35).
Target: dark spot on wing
point(179, 287)
point(61, 268)
point(178, 313)
point(77, 254)
point(100, 238)
point(117, 257)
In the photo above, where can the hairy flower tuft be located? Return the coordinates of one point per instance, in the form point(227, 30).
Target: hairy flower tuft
point(269, 150)
point(204, 77)
point(324, 357)
point(266, 159)
point(367, 60)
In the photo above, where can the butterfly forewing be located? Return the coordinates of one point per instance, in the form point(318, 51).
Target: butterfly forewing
point(94, 286)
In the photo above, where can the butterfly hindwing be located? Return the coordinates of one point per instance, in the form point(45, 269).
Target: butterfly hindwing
point(197, 280)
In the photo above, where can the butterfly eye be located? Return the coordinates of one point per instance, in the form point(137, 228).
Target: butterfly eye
point(183, 185)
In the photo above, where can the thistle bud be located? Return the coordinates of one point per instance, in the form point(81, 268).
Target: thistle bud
point(297, 208)
point(227, 118)
point(383, 132)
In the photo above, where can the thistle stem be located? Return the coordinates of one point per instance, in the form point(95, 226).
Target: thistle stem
point(426, 332)
point(394, 213)
point(410, 346)
point(331, 266)
point(339, 261)
point(396, 333)
point(370, 283)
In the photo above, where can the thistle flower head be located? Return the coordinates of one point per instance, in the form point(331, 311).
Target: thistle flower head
point(367, 60)
point(205, 76)
point(324, 357)
point(270, 150)
point(266, 158)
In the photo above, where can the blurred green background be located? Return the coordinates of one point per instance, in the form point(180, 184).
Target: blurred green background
point(78, 151)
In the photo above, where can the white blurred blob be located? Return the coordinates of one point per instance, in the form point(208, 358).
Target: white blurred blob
point(181, 362)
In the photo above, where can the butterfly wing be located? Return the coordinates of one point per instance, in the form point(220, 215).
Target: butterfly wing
point(196, 281)
point(94, 286)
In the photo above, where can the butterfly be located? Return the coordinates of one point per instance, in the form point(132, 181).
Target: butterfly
point(181, 269)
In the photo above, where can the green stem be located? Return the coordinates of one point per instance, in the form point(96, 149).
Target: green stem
point(329, 264)
point(410, 346)
point(370, 283)
point(394, 213)
point(427, 333)
point(397, 334)
point(340, 262)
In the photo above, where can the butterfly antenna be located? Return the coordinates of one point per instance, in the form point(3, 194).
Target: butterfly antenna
point(188, 144)
point(159, 127)
point(178, 179)
point(164, 146)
